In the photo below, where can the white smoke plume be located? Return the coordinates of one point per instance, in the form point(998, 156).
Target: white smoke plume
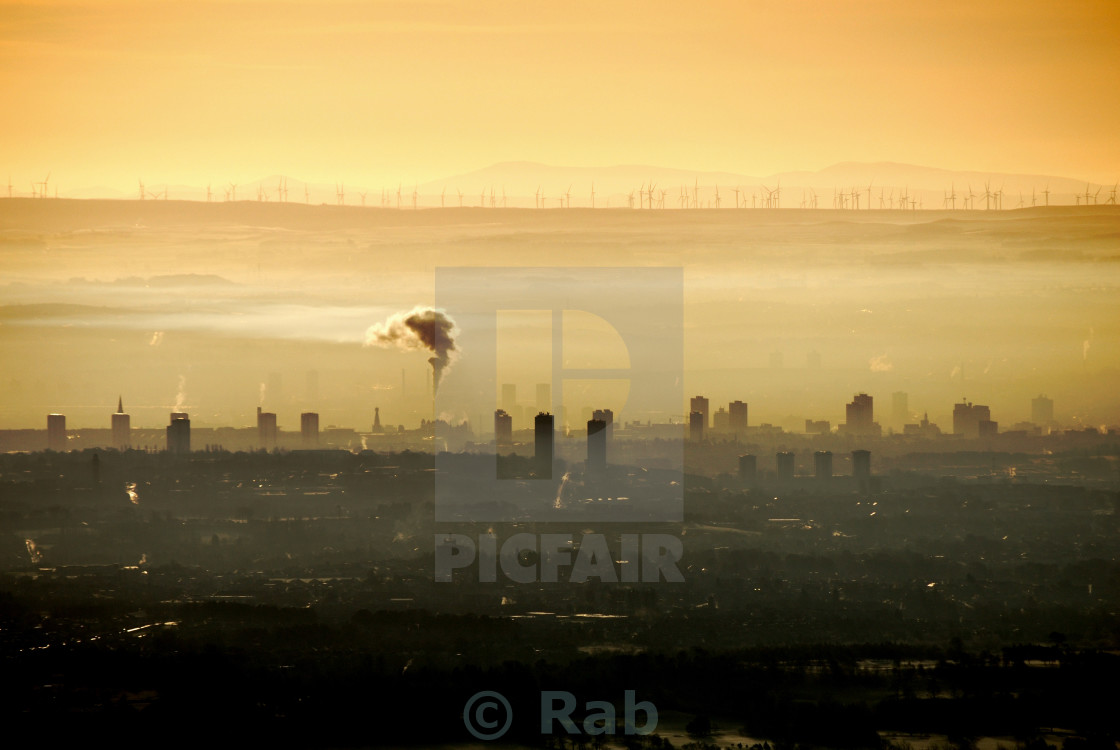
point(181, 396)
point(881, 364)
point(419, 328)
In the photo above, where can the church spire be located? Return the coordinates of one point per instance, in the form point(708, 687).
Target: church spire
point(120, 405)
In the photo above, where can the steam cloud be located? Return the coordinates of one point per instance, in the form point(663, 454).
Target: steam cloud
point(419, 328)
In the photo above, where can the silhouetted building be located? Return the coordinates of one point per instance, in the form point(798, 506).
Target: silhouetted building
point(748, 467)
point(721, 420)
point(737, 412)
point(267, 431)
point(900, 409)
point(696, 426)
point(606, 415)
point(1042, 411)
point(377, 419)
point(122, 428)
point(861, 469)
point(967, 418)
point(818, 427)
point(596, 445)
point(822, 465)
point(785, 466)
point(860, 416)
point(503, 429)
point(925, 428)
point(544, 438)
point(179, 434)
point(309, 430)
point(56, 432)
point(700, 404)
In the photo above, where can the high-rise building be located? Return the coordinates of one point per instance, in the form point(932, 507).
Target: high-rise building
point(544, 438)
point(900, 409)
point(309, 430)
point(179, 434)
point(784, 461)
point(696, 426)
point(748, 467)
point(267, 431)
point(721, 420)
point(1042, 411)
point(56, 432)
point(503, 430)
point(596, 445)
point(967, 419)
point(861, 468)
point(737, 412)
point(122, 428)
point(822, 465)
point(606, 415)
point(860, 416)
point(377, 419)
point(700, 404)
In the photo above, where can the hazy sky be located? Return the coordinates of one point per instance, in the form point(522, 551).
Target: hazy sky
point(106, 92)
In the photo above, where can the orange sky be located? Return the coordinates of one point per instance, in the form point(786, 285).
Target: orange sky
point(106, 92)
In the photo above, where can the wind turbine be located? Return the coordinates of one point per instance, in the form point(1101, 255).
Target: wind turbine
point(568, 196)
point(415, 196)
point(1046, 193)
point(9, 186)
point(141, 189)
point(736, 197)
point(363, 197)
point(398, 196)
point(869, 194)
point(232, 191)
point(1111, 193)
point(460, 197)
point(208, 194)
point(441, 194)
point(537, 197)
point(593, 195)
point(717, 196)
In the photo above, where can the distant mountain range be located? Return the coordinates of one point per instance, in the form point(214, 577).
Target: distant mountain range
point(529, 184)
